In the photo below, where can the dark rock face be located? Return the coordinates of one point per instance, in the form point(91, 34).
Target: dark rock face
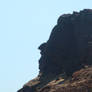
point(26, 89)
point(68, 49)
point(70, 44)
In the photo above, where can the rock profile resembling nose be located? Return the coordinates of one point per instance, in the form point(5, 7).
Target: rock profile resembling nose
point(65, 64)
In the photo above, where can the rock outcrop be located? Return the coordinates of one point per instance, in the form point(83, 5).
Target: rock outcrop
point(81, 81)
point(66, 58)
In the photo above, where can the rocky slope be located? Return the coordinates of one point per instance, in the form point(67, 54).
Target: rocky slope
point(81, 81)
point(66, 58)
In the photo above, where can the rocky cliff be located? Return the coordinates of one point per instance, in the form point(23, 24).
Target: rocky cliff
point(66, 58)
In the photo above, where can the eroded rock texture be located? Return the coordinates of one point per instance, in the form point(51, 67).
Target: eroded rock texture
point(69, 46)
point(69, 49)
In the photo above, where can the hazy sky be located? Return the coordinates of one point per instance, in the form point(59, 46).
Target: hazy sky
point(24, 25)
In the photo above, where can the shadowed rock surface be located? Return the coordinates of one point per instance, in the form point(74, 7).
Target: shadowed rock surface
point(69, 49)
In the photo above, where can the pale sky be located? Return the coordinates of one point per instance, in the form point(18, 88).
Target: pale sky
point(24, 25)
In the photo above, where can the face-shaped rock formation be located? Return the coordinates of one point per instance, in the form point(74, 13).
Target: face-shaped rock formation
point(69, 47)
